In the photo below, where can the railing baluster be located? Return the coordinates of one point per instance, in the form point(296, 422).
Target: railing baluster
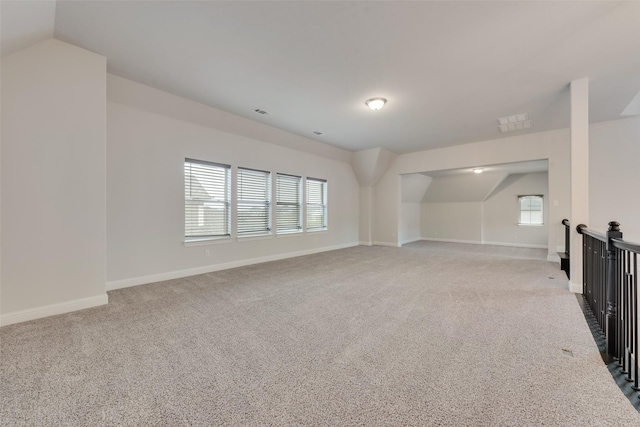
point(635, 320)
point(625, 313)
point(610, 288)
point(629, 318)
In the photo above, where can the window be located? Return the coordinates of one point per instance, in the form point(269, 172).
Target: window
point(207, 187)
point(288, 203)
point(316, 204)
point(254, 201)
point(530, 210)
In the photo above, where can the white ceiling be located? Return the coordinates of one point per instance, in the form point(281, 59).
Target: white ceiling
point(448, 69)
point(504, 168)
point(24, 23)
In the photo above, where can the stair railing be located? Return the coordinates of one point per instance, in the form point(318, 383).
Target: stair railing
point(610, 287)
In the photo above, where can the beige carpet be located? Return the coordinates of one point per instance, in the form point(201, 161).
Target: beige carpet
point(428, 334)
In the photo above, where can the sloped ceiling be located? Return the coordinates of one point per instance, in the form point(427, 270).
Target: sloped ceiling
point(463, 188)
point(462, 185)
point(448, 69)
point(369, 165)
point(414, 187)
point(24, 23)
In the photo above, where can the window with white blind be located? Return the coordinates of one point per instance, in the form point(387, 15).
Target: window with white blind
point(288, 203)
point(530, 210)
point(207, 207)
point(254, 201)
point(316, 204)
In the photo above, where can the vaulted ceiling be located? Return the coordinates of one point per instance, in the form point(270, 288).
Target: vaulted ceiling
point(447, 69)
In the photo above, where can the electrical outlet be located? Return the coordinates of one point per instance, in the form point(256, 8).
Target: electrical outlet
point(207, 252)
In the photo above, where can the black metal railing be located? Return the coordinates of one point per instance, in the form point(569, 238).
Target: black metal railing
point(610, 287)
point(565, 257)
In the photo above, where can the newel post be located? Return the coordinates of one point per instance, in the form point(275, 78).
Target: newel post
point(612, 301)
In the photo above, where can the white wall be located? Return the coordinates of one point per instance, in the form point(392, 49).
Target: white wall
point(468, 187)
point(145, 193)
point(553, 146)
point(494, 221)
point(414, 187)
point(53, 181)
point(500, 212)
point(455, 221)
point(409, 223)
point(614, 181)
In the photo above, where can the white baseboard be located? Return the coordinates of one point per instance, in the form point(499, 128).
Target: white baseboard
point(53, 309)
point(143, 280)
point(560, 248)
point(576, 288)
point(478, 242)
point(366, 243)
point(433, 239)
point(516, 245)
point(410, 241)
point(553, 258)
point(393, 245)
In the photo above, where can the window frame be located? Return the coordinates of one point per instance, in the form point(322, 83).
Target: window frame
point(189, 198)
point(266, 203)
point(279, 229)
point(520, 210)
point(323, 204)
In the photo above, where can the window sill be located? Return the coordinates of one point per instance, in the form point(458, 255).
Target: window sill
point(251, 237)
point(289, 233)
point(210, 241)
point(318, 231)
point(530, 225)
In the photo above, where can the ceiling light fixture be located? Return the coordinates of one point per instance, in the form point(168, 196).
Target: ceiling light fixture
point(478, 170)
point(375, 103)
point(515, 122)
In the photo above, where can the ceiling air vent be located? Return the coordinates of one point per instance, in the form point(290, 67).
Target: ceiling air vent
point(515, 122)
point(261, 112)
point(317, 133)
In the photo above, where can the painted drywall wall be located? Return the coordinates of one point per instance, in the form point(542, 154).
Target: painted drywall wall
point(53, 181)
point(457, 221)
point(463, 188)
point(553, 145)
point(365, 220)
point(127, 92)
point(414, 187)
point(145, 195)
point(369, 166)
point(493, 221)
point(409, 223)
point(500, 212)
point(614, 183)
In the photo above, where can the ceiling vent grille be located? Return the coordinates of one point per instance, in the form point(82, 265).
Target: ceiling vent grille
point(261, 112)
point(317, 133)
point(515, 122)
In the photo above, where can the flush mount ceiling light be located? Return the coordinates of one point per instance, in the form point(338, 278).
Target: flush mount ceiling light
point(515, 122)
point(375, 103)
point(477, 170)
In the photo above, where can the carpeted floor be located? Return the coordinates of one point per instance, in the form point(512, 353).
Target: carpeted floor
point(427, 334)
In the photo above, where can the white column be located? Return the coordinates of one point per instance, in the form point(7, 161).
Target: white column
point(366, 215)
point(579, 175)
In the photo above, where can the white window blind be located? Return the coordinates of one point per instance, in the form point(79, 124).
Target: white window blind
point(254, 201)
point(288, 203)
point(530, 210)
point(316, 204)
point(207, 188)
